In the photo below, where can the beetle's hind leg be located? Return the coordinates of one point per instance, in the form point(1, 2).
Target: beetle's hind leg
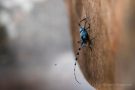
point(91, 43)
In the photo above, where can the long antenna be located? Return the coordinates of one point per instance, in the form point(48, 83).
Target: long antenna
point(77, 54)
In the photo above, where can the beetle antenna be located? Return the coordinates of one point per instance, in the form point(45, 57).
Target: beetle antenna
point(77, 54)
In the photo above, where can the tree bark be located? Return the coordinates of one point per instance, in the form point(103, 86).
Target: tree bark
point(106, 20)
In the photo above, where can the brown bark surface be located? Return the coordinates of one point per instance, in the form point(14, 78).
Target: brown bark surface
point(101, 67)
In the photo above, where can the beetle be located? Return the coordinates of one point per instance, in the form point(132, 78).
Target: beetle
point(84, 40)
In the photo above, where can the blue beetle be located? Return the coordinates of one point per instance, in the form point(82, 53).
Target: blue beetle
point(84, 36)
point(84, 39)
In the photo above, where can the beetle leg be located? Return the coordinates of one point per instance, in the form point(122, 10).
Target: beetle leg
point(88, 28)
point(85, 19)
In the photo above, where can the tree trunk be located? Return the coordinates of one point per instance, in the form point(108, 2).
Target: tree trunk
point(106, 22)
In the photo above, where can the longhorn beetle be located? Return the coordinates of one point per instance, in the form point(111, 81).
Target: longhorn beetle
point(84, 40)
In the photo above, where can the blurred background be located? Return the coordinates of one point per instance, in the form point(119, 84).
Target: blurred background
point(35, 47)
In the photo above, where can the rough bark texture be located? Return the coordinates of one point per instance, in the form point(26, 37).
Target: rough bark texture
point(107, 25)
